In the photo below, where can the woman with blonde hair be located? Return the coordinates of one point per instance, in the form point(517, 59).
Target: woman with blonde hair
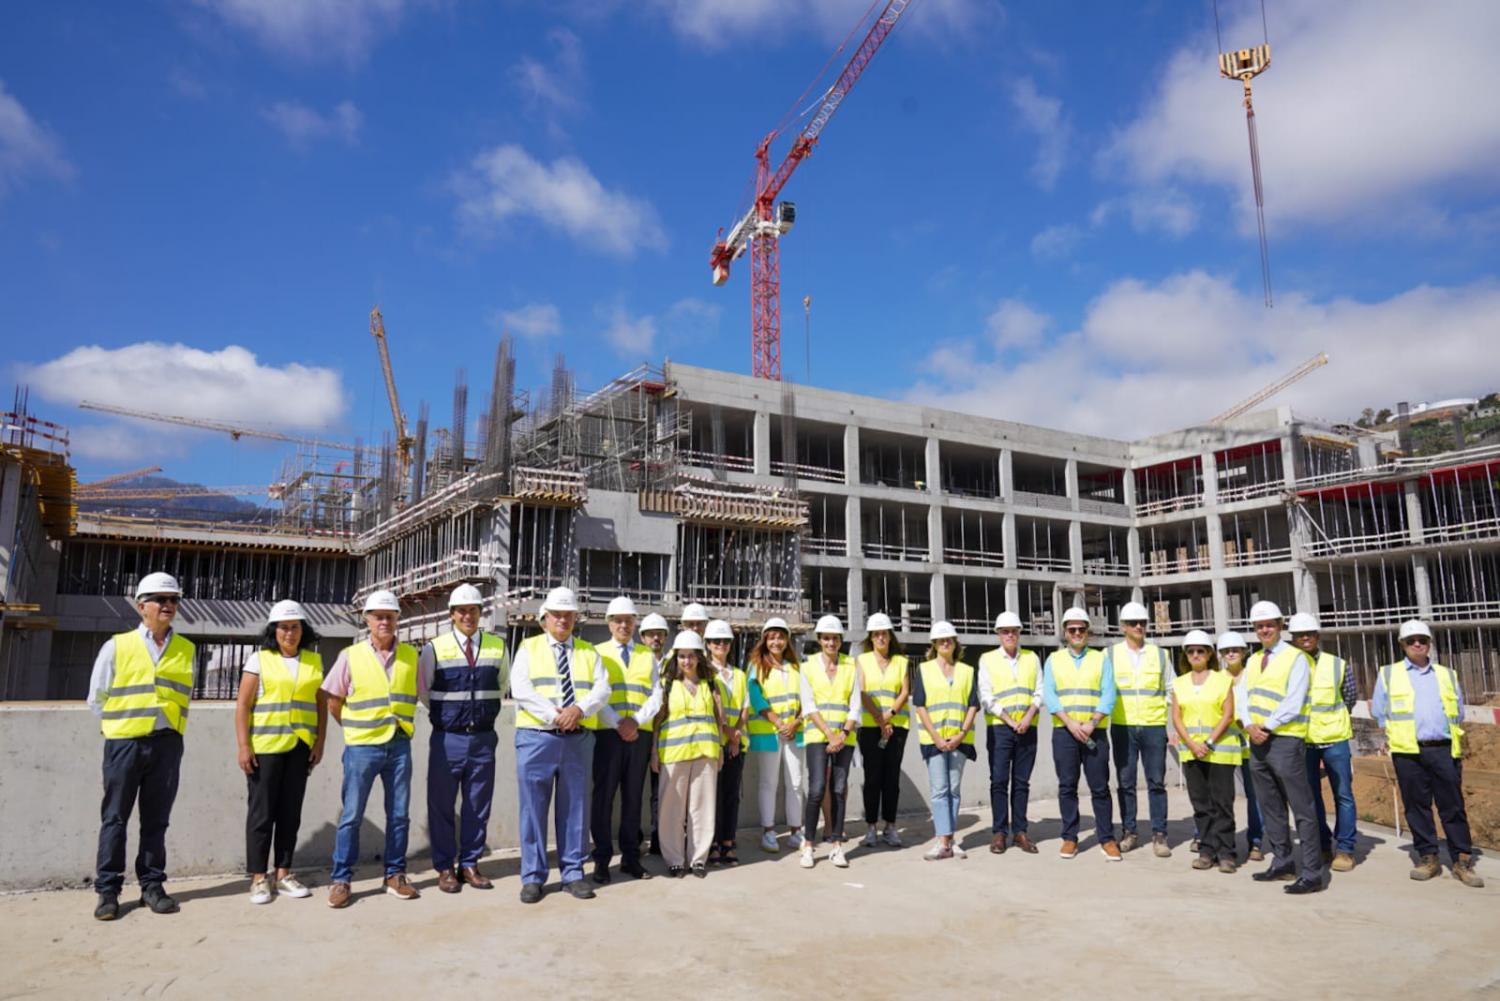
point(946, 701)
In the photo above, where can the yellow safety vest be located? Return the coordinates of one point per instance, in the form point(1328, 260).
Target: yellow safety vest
point(286, 710)
point(690, 729)
point(629, 684)
point(882, 687)
point(1142, 688)
point(1268, 684)
point(1327, 716)
point(140, 691)
point(1401, 718)
point(1202, 707)
point(830, 696)
point(1013, 683)
point(541, 666)
point(783, 695)
point(1079, 687)
point(734, 696)
point(947, 701)
point(378, 705)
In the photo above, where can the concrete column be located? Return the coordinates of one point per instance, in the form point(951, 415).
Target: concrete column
point(1289, 471)
point(1305, 590)
point(1210, 465)
point(1127, 489)
point(1422, 584)
point(935, 534)
point(1369, 455)
point(851, 455)
point(1059, 605)
point(939, 594)
point(1414, 523)
point(1070, 481)
point(854, 529)
point(1221, 604)
point(1008, 539)
point(934, 467)
point(1075, 543)
point(761, 445)
point(1214, 533)
point(1007, 476)
point(1013, 595)
point(857, 613)
point(1133, 552)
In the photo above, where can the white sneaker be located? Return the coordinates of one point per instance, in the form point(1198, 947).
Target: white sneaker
point(959, 852)
point(260, 892)
point(871, 838)
point(292, 887)
point(838, 858)
point(937, 852)
point(807, 856)
point(768, 842)
point(794, 840)
point(891, 838)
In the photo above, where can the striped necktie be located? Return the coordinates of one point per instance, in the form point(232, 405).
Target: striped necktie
point(565, 675)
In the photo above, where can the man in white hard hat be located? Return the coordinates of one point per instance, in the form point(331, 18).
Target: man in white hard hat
point(1233, 651)
point(557, 681)
point(1079, 691)
point(1277, 678)
point(1138, 727)
point(1421, 706)
point(459, 679)
point(694, 618)
point(1331, 694)
point(1010, 692)
point(372, 692)
point(140, 689)
point(654, 632)
point(622, 755)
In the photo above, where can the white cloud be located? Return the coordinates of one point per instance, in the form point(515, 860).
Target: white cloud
point(1150, 357)
point(1369, 106)
point(26, 146)
point(1056, 242)
point(630, 335)
point(553, 88)
point(1013, 324)
point(507, 182)
point(1044, 117)
point(694, 315)
point(312, 29)
point(304, 126)
point(718, 22)
point(534, 322)
point(1168, 211)
point(126, 442)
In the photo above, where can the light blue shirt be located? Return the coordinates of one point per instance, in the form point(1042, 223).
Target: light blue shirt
point(1107, 691)
point(1294, 703)
point(1432, 723)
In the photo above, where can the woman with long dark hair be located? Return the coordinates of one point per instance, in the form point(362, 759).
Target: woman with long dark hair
point(688, 718)
point(776, 729)
point(734, 696)
point(885, 689)
point(1209, 749)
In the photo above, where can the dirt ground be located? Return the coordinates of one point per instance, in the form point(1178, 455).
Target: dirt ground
point(890, 925)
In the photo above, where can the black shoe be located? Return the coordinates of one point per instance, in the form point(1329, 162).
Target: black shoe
point(601, 873)
point(531, 893)
point(1304, 886)
point(109, 907)
point(156, 898)
point(675, 872)
point(1274, 874)
point(700, 870)
point(654, 849)
point(579, 890)
point(634, 870)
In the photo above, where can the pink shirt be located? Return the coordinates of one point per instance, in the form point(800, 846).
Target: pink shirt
point(337, 681)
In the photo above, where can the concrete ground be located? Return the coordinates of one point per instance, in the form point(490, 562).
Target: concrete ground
point(891, 924)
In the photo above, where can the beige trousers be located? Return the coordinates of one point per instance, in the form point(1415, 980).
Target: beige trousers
point(688, 799)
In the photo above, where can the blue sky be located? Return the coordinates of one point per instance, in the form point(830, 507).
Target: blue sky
point(1036, 211)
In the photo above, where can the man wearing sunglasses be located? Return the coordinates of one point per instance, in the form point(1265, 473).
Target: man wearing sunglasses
point(1420, 704)
point(140, 689)
point(1139, 727)
point(1078, 689)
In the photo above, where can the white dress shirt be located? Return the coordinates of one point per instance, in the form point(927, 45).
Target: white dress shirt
point(595, 700)
point(103, 675)
point(987, 687)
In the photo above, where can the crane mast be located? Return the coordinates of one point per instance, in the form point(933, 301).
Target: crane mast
point(404, 440)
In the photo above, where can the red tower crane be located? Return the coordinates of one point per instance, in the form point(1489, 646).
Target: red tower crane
point(761, 228)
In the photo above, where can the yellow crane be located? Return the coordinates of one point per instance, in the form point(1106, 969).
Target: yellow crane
point(234, 431)
point(1297, 374)
point(273, 491)
point(404, 440)
point(110, 481)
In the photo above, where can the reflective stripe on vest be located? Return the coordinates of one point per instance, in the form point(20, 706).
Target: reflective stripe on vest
point(140, 691)
point(882, 687)
point(690, 729)
point(947, 701)
point(1268, 684)
point(541, 668)
point(630, 684)
point(463, 697)
point(1078, 686)
point(379, 705)
point(1013, 683)
point(782, 690)
point(830, 695)
point(1141, 687)
point(1202, 708)
point(286, 711)
point(734, 696)
point(1401, 717)
point(1327, 716)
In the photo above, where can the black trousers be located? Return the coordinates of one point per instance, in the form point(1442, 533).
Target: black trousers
point(727, 809)
point(1012, 757)
point(1210, 788)
point(144, 769)
point(820, 765)
point(276, 789)
point(620, 768)
point(882, 784)
point(1434, 776)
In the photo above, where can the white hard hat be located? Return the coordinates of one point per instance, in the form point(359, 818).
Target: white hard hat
point(286, 611)
point(560, 599)
point(620, 606)
point(1232, 641)
point(776, 622)
point(1413, 627)
point(1076, 614)
point(654, 622)
point(1265, 611)
point(1197, 637)
point(1007, 620)
point(878, 622)
point(718, 629)
point(829, 624)
point(944, 631)
point(157, 583)
point(694, 613)
point(1133, 611)
point(688, 640)
point(465, 594)
point(1301, 622)
point(382, 601)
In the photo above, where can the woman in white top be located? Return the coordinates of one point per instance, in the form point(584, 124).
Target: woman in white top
point(776, 729)
point(1233, 651)
point(831, 707)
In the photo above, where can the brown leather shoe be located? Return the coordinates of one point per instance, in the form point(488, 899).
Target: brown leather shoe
point(475, 878)
point(1024, 842)
point(399, 886)
point(338, 895)
point(1068, 849)
point(997, 845)
point(448, 881)
point(1111, 851)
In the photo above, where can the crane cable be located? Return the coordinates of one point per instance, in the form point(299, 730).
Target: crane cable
point(1255, 174)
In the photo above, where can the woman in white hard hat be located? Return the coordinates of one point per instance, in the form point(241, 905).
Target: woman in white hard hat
point(1232, 653)
point(946, 701)
point(1209, 749)
point(830, 705)
point(885, 689)
point(734, 697)
point(776, 730)
point(688, 718)
point(281, 720)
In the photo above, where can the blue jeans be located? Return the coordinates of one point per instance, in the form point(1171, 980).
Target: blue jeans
point(363, 763)
point(1338, 762)
point(1253, 830)
point(1070, 758)
point(945, 773)
point(1149, 744)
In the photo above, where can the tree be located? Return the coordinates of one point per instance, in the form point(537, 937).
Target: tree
point(1383, 416)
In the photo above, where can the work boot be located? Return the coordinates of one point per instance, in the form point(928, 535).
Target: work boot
point(109, 907)
point(1203, 862)
point(1427, 868)
point(1227, 865)
point(1130, 842)
point(1025, 844)
point(1159, 846)
point(997, 845)
point(1463, 871)
point(1343, 862)
point(156, 898)
point(1256, 855)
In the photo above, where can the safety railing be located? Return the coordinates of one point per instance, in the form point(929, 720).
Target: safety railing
point(1168, 505)
point(1344, 545)
point(973, 557)
point(889, 551)
point(803, 471)
point(1026, 498)
point(713, 460)
point(1250, 491)
point(1106, 568)
point(824, 546)
point(1250, 556)
point(1056, 564)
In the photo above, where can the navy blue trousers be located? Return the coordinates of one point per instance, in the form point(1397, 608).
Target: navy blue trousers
point(460, 766)
point(1070, 757)
point(144, 769)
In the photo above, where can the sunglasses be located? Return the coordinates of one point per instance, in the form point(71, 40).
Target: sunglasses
point(1197, 651)
point(163, 599)
point(719, 641)
point(1134, 624)
point(1077, 629)
point(1418, 641)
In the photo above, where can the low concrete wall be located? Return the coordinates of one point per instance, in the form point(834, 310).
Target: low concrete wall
point(50, 757)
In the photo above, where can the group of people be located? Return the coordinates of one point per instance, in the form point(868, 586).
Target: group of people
point(593, 721)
